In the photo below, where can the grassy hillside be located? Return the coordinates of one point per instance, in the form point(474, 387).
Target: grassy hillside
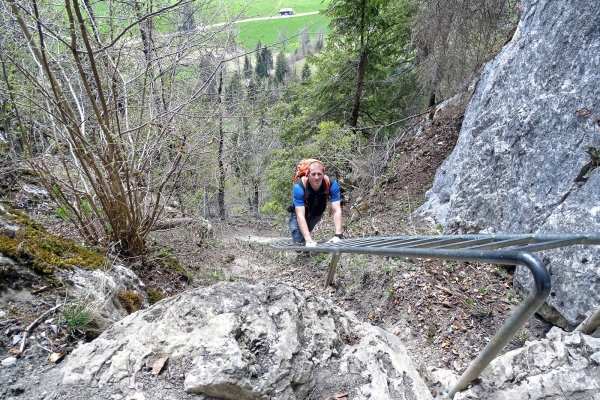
point(269, 31)
point(266, 8)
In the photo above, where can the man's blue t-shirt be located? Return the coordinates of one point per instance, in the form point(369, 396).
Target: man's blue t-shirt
point(334, 192)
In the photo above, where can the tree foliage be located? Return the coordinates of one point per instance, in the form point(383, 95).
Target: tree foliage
point(364, 76)
point(281, 67)
point(107, 112)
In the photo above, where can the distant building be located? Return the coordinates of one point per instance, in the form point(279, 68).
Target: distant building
point(286, 11)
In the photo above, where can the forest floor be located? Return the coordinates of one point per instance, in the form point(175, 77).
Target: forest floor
point(445, 312)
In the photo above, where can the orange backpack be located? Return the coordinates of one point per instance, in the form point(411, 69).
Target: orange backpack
point(302, 172)
point(302, 168)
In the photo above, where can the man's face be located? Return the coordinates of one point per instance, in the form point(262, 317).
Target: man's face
point(315, 174)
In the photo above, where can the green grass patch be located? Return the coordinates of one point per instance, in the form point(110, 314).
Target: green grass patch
point(269, 31)
point(265, 8)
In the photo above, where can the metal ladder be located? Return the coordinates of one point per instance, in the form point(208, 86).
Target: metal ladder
point(494, 249)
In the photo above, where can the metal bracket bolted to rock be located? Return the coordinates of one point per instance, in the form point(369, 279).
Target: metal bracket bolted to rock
point(252, 342)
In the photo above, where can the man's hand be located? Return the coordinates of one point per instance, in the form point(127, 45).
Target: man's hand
point(311, 244)
point(334, 239)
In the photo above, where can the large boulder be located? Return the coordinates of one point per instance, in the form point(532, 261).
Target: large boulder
point(564, 365)
point(520, 163)
point(238, 341)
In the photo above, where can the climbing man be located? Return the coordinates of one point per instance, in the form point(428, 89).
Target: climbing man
point(312, 190)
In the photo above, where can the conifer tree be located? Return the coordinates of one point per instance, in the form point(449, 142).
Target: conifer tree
point(305, 72)
point(261, 67)
point(247, 67)
point(267, 57)
point(281, 67)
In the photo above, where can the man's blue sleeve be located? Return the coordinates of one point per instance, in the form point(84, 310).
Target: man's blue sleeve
point(298, 196)
point(334, 192)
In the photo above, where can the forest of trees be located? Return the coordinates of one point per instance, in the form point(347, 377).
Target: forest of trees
point(122, 108)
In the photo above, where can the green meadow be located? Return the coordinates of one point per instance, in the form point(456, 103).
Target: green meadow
point(266, 8)
point(268, 32)
point(249, 33)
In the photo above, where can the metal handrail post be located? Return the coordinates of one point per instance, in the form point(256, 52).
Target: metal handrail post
point(512, 325)
point(332, 266)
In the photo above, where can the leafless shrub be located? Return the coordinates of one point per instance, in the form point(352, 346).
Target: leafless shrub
point(108, 113)
point(454, 38)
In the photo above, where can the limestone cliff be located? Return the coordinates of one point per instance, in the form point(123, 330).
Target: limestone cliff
point(520, 160)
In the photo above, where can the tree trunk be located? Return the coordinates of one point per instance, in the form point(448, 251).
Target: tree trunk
point(256, 185)
point(221, 197)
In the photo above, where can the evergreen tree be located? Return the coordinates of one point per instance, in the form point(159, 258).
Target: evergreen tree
point(305, 72)
point(267, 56)
point(252, 91)
point(281, 67)
point(247, 67)
point(319, 45)
point(261, 68)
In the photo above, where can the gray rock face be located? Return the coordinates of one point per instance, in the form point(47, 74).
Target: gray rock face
point(521, 148)
point(251, 342)
point(103, 286)
point(564, 365)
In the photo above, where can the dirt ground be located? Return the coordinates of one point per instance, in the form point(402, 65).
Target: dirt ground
point(445, 312)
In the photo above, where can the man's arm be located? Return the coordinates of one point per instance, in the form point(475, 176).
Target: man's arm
point(301, 216)
point(336, 207)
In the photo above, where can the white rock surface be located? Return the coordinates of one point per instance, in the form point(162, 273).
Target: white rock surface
point(562, 366)
point(251, 342)
point(102, 288)
point(9, 362)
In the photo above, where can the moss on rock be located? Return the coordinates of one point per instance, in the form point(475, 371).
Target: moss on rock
point(154, 296)
point(173, 264)
point(33, 246)
point(130, 300)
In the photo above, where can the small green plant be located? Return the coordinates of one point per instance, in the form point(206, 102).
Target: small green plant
point(86, 208)
point(215, 275)
point(500, 272)
point(163, 252)
point(431, 332)
point(318, 258)
point(484, 291)
point(514, 298)
point(449, 266)
point(391, 292)
point(359, 261)
point(76, 316)
point(523, 336)
point(469, 303)
point(386, 269)
point(154, 296)
point(440, 229)
point(62, 213)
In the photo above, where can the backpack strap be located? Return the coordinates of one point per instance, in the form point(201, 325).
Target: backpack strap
point(327, 192)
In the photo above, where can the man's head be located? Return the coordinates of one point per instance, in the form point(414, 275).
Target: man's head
point(316, 171)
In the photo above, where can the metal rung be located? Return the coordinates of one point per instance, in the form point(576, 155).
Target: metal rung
point(501, 244)
point(552, 244)
point(466, 243)
point(437, 243)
